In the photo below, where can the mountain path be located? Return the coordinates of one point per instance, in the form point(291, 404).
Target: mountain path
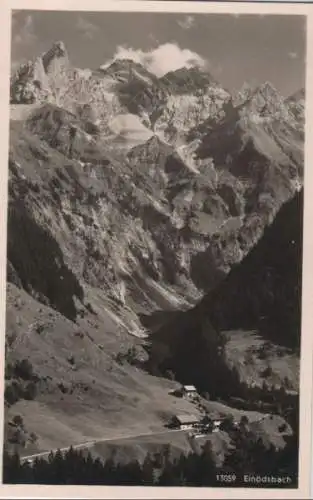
point(88, 444)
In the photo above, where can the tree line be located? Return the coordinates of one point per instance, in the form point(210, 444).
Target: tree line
point(77, 467)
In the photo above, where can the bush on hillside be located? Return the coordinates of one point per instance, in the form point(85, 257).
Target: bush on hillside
point(33, 438)
point(24, 369)
point(18, 420)
point(9, 371)
point(30, 391)
point(12, 393)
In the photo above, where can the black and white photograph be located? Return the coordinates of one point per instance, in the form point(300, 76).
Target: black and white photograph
point(155, 207)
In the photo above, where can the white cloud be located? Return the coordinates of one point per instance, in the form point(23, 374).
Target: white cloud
point(26, 33)
point(87, 29)
point(187, 22)
point(293, 55)
point(161, 60)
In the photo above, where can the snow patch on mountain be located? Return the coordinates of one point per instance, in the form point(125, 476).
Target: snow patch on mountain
point(129, 128)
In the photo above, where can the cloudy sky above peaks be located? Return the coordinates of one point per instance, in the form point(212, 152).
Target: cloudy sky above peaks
point(234, 48)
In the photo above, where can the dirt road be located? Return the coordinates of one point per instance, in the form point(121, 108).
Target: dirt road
point(88, 444)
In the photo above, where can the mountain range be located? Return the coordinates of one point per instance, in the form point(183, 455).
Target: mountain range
point(134, 197)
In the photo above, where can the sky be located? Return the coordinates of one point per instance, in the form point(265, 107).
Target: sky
point(234, 48)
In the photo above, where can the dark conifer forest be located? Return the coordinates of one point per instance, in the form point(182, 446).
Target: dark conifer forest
point(76, 467)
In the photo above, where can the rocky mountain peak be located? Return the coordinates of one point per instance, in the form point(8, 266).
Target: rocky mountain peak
point(257, 94)
point(267, 88)
point(264, 103)
point(127, 70)
point(244, 94)
point(296, 105)
point(58, 53)
point(185, 80)
point(36, 80)
point(123, 63)
point(275, 101)
point(58, 49)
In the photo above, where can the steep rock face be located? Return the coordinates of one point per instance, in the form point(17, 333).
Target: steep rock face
point(263, 157)
point(243, 95)
point(188, 80)
point(134, 237)
point(39, 80)
point(157, 219)
point(56, 59)
point(37, 260)
point(126, 70)
point(296, 104)
point(128, 217)
point(91, 208)
point(138, 90)
point(30, 83)
point(266, 102)
point(264, 291)
point(160, 162)
point(261, 297)
point(152, 228)
point(193, 96)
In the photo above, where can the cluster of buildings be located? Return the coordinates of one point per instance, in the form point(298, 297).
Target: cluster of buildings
point(200, 424)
